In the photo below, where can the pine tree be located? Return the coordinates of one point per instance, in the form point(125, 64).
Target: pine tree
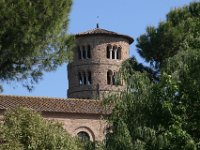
point(33, 38)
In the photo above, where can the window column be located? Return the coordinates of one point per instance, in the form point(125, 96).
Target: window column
point(110, 50)
point(115, 53)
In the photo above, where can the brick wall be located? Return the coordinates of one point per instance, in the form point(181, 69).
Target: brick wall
point(94, 125)
point(98, 64)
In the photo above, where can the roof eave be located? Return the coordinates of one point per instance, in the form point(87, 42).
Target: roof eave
point(130, 39)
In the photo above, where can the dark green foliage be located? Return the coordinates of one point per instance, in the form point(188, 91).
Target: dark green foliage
point(131, 65)
point(33, 38)
point(25, 129)
point(120, 139)
point(87, 145)
point(185, 73)
point(179, 31)
point(164, 114)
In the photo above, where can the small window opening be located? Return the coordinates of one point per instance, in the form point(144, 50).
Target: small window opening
point(88, 52)
point(113, 79)
point(80, 78)
point(109, 77)
point(84, 52)
point(89, 78)
point(84, 79)
point(108, 51)
point(113, 54)
point(119, 53)
point(83, 136)
point(79, 53)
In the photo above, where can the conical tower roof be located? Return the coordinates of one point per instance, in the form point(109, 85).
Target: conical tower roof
point(99, 31)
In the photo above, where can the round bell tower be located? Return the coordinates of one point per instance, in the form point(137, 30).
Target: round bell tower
point(97, 58)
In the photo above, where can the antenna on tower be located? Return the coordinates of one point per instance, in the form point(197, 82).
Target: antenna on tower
point(97, 22)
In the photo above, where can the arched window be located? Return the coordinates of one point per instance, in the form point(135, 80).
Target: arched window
point(119, 53)
point(80, 79)
point(83, 136)
point(113, 54)
point(84, 78)
point(89, 76)
point(84, 52)
point(109, 77)
point(108, 51)
point(88, 51)
point(79, 52)
point(114, 79)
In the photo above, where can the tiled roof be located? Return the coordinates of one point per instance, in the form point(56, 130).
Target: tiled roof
point(44, 104)
point(98, 31)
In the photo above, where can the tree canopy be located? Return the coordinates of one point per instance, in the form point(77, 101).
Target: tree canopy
point(179, 31)
point(33, 38)
point(164, 114)
point(26, 129)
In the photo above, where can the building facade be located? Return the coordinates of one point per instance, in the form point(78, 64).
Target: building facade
point(79, 116)
point(98, 56)
point(92, 74)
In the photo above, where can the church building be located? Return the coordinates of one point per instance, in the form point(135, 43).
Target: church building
point(98, 56)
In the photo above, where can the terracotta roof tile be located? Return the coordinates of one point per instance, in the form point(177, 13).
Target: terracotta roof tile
point(45, 104)
point(98, 31)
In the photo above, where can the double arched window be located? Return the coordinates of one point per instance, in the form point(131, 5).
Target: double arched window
point(85, 78)
point(84, 52)
point(113, 52)
point(112, 78)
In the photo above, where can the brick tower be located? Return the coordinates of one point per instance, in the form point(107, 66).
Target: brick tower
point(98, 56)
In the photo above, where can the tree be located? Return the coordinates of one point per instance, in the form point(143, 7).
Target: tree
point(26, 129)
point(33, 38)
point(179, 31)
point(163, 114)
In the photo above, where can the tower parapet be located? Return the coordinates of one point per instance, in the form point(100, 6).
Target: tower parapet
point(98, 56)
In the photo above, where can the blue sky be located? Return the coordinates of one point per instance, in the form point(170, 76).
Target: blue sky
point(129, 17)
